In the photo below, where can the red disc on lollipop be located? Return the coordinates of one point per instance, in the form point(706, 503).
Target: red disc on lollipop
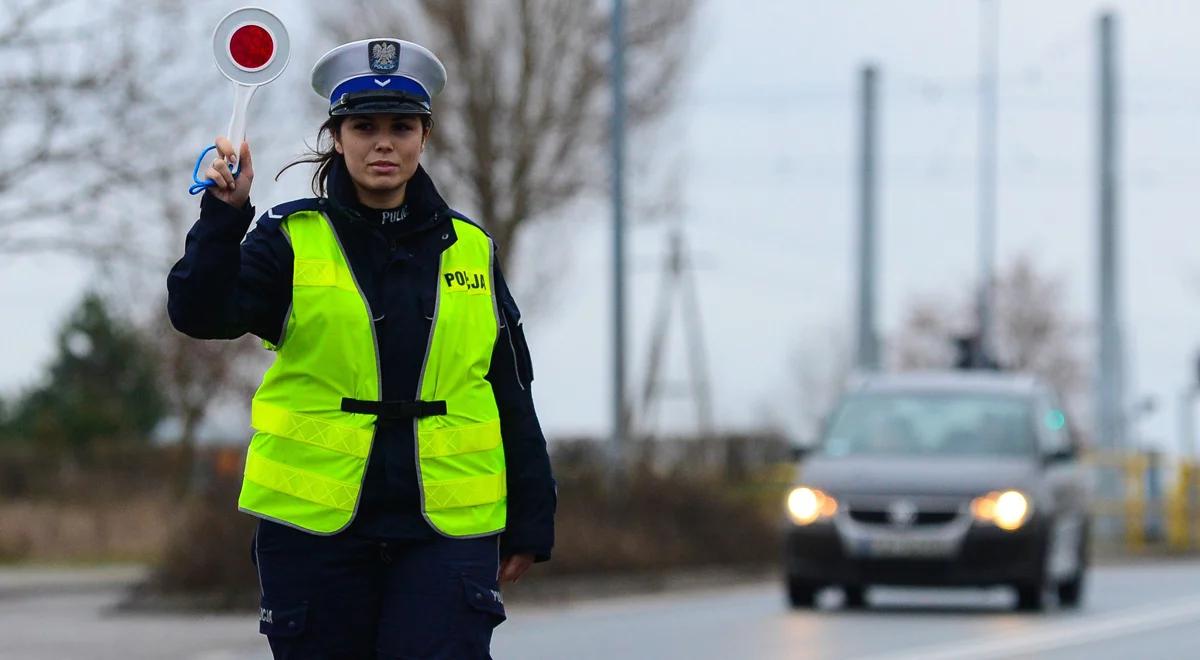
point(251, 47)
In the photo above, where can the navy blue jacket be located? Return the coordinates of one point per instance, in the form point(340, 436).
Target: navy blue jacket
point(225, 286)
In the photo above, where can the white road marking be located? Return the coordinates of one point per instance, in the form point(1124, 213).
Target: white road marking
point(1055, 635)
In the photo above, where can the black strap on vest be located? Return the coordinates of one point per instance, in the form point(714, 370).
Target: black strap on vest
point(394, 409)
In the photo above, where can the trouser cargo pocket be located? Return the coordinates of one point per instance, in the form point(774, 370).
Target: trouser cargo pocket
point(485, 600)
point(286, 621)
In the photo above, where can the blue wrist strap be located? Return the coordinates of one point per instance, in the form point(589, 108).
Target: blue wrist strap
point(199, 184)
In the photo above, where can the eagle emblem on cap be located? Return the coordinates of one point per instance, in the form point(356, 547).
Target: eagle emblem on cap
point(383, 56)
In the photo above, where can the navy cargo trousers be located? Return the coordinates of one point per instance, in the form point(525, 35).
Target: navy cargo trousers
point(352, 597)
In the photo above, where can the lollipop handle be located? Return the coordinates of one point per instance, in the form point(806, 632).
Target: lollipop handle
point(237, 123)
point(236, 134)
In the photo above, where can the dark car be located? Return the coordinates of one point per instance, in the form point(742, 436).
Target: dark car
point(959, 478)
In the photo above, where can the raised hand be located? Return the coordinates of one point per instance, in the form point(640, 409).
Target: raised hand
point(232, 191)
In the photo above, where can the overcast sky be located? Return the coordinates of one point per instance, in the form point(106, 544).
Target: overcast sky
point(764, 143)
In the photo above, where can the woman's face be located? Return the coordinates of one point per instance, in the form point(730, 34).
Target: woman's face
point(381, 153)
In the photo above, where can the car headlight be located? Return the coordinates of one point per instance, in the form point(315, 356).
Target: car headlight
point(807, 505)
point(1006, 509)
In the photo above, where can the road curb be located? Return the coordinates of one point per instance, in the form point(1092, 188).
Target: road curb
point(21, 582)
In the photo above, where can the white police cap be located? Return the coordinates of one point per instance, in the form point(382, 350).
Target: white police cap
point(379, 75)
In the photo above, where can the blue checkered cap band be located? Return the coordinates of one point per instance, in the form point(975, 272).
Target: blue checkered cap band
point(382, 67)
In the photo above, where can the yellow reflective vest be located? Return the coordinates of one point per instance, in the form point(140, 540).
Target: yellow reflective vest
point(314, 414)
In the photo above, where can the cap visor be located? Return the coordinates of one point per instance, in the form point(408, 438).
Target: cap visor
point(390, 106)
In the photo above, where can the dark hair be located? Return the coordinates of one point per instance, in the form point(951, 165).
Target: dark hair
point(325, 152)
point(323, 155)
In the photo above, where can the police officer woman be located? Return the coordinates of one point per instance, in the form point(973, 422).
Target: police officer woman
point(397, 467)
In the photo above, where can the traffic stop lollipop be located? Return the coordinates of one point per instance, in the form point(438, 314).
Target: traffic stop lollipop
point(250, 46)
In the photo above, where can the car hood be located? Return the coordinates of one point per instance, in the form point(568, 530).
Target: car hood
point(926, 475)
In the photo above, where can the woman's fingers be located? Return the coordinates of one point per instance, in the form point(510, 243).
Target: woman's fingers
point(224, 147)
point(221, 163)
point(247, 169)
point(211, 174)
point(512, 568)
point(219, 172)
point(219, 167)
point(518, 570)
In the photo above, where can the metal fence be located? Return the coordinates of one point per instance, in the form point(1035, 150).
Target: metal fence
point(1146, 502)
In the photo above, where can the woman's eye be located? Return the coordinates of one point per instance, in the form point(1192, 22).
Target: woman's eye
point(362, 126)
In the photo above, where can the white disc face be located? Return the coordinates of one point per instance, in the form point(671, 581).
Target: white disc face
point(251, 46)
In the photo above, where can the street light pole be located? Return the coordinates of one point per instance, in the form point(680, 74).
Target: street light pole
point(620, 426)
point(989, 42)
point(867, 353)
point(1111, 422)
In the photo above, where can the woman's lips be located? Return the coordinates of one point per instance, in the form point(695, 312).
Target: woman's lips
point(383, 167)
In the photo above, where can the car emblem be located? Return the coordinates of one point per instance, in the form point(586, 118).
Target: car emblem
point(902, 513)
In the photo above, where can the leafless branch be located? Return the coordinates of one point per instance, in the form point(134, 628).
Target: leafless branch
point(1032, 331)
point(522, 125)
point(104, 132)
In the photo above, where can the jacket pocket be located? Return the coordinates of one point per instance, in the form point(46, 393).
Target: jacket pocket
point(516, 332)
point(510, 317)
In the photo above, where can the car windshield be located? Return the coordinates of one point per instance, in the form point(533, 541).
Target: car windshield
point(931, 424)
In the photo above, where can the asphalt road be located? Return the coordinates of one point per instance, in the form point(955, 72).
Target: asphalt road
point(1140, 610)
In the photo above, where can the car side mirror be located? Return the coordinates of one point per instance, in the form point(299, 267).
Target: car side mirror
point(798, 452)
point(1064, 455)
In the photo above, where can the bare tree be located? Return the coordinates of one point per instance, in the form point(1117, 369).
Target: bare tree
point(103, 118)
point(926, 336)
point(1033, 331)
point(107, 120)
point(169, 115)
point(522, 126)
point(195, 377)
point(50, 61)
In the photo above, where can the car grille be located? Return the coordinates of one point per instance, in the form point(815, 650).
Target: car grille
point(883, 518)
